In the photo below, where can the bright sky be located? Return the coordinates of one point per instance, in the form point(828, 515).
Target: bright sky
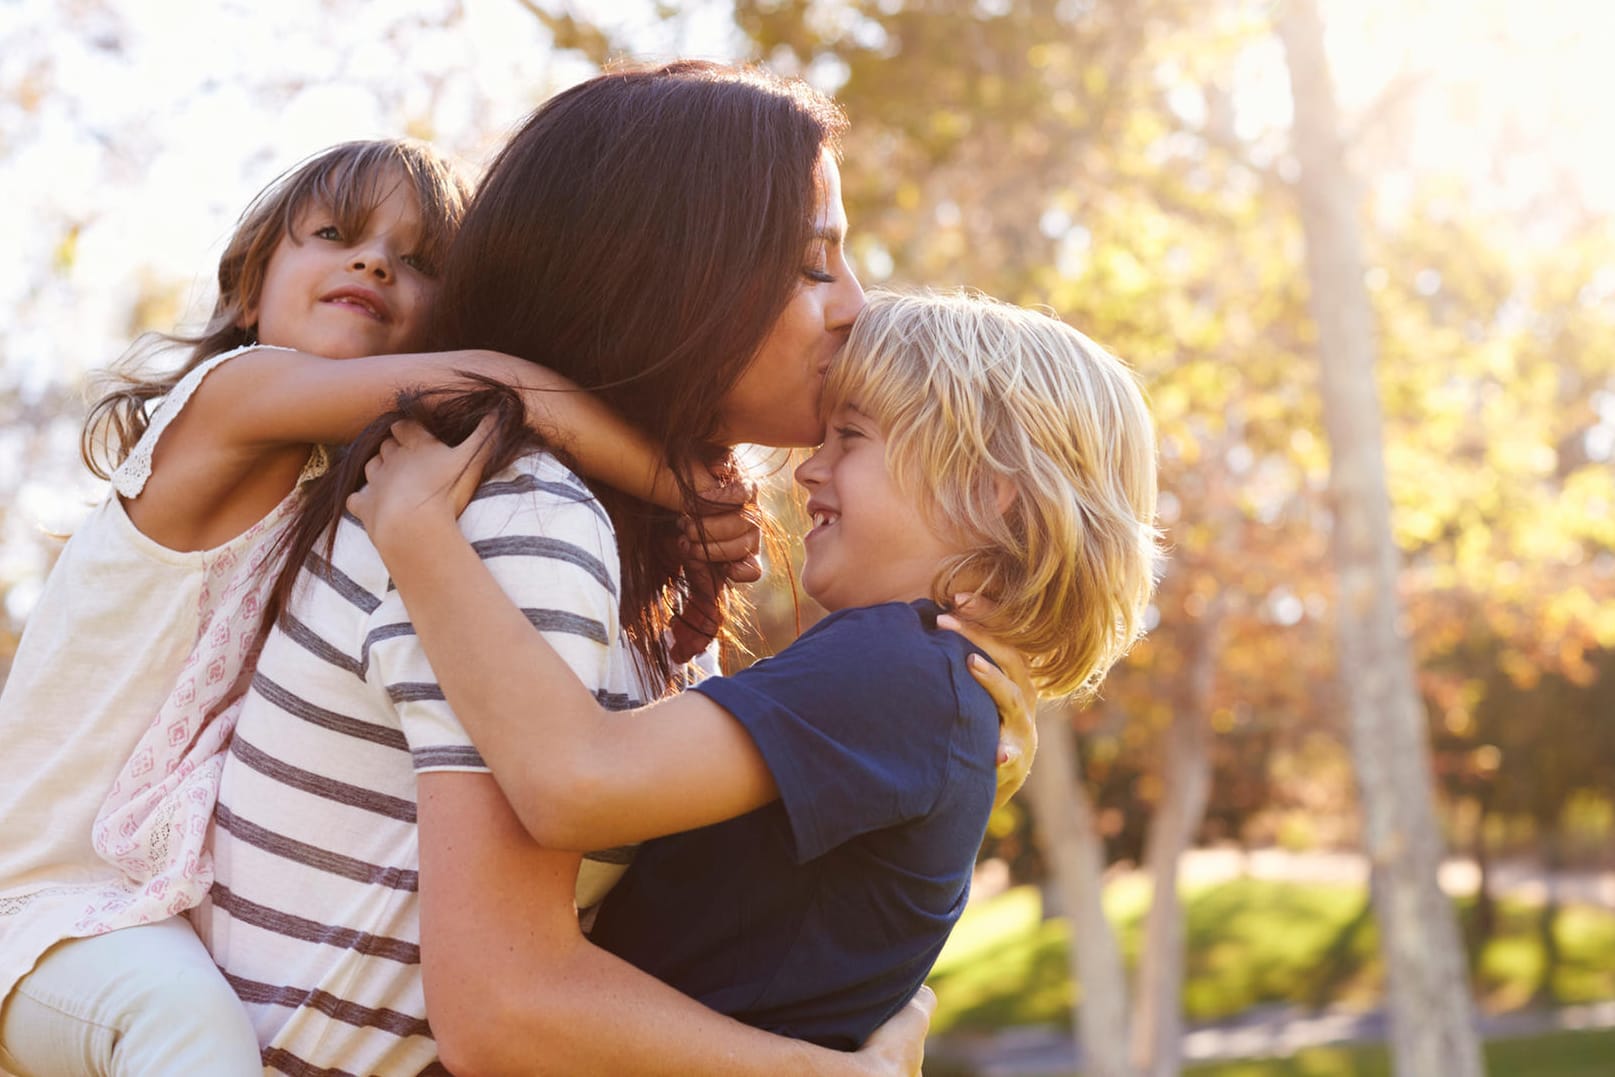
point(143, 127)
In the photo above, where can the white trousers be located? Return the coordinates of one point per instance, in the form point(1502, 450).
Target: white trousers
point(141, 1002)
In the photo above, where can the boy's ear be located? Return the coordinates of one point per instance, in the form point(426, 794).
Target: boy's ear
point(1005, 493)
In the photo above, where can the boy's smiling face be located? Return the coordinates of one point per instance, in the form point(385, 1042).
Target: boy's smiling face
point(870, 542)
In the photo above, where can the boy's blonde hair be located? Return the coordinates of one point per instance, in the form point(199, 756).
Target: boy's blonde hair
point(978, 399)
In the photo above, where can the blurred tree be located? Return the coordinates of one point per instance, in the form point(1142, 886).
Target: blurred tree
point(1100, 157)
point(1432, 1016)
point(1071, 843)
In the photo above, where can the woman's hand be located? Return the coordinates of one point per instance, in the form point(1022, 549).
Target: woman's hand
point(897, 1048)
point(415, 479)
point(1009, 683)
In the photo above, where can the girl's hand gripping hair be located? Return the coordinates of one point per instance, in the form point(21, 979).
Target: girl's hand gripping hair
point(414, 476)
point(1010, 685)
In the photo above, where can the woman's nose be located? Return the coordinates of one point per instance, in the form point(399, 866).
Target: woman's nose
point(847, 301)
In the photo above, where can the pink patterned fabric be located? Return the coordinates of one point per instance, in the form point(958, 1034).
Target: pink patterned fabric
point(153, 823)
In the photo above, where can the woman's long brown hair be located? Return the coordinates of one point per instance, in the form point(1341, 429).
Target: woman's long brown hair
point(640, 234)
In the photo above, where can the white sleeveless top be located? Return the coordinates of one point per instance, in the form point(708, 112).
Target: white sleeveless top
point(125, 629)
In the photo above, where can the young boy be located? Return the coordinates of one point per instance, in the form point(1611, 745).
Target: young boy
point(826, 804)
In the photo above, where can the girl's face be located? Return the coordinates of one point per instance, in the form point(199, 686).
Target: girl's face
point(776, 400)
point(344, 296)
point(870, 542)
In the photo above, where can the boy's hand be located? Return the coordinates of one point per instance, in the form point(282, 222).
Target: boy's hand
point(1010, 686)
point(699, 618)
point(897, 1048)
point(415, 479)
point(725, 531)
point(719, 548)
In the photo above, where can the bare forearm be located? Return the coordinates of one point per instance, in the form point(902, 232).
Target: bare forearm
point(276, 397)
point(597, 1014)
point(603, 445)
point(513, 987)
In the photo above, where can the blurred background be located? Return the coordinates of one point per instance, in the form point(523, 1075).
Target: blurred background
point(1143, 167)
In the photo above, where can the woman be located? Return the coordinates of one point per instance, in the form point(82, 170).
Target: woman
point(671, 239)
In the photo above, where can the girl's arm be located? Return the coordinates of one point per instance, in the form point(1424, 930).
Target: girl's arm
point(271, 398)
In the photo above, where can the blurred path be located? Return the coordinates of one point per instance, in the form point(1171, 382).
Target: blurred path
point(1261, 1032)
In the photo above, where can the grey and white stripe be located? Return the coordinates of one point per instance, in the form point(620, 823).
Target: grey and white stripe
point(314, 914)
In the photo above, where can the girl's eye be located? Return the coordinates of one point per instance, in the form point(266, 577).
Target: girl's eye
point(419, 265)
point(846, 432)
point(329, 231)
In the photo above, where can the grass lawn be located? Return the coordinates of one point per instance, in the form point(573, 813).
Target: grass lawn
point(1250, 942)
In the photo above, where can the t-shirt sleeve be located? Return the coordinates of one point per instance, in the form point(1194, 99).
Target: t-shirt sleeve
point(856, 721)
point(551, 547)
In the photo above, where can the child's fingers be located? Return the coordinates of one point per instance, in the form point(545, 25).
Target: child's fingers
point(968, 610)
point(1018, 723)
point(720, 528)
point(726, 496)
point(1017, 727)
point(359, 503)
point(482, 442)
point(715, 497)
point(717, 551)
point(408, 432)
point(745, 570)
point(378, 463)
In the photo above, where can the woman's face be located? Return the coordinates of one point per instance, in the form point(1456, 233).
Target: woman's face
point(776, 400)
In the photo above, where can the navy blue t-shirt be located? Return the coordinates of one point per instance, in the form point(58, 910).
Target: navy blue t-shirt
point(819, 915)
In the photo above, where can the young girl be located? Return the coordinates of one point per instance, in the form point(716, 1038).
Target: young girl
point(841, 789)
point(156, 603)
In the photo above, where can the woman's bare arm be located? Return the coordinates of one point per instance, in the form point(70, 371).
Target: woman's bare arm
point(512, 986)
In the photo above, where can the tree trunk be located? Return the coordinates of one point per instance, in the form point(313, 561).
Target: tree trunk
point(1068, 834)
point(1157, 1047)
point(1431, 1012)
point(1553, 861)
point(1484, 923)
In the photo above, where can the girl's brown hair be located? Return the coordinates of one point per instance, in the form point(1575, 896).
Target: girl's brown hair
point(640, 234)
point(349, 180)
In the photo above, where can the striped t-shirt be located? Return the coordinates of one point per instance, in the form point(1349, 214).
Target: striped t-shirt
point(314, 913)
